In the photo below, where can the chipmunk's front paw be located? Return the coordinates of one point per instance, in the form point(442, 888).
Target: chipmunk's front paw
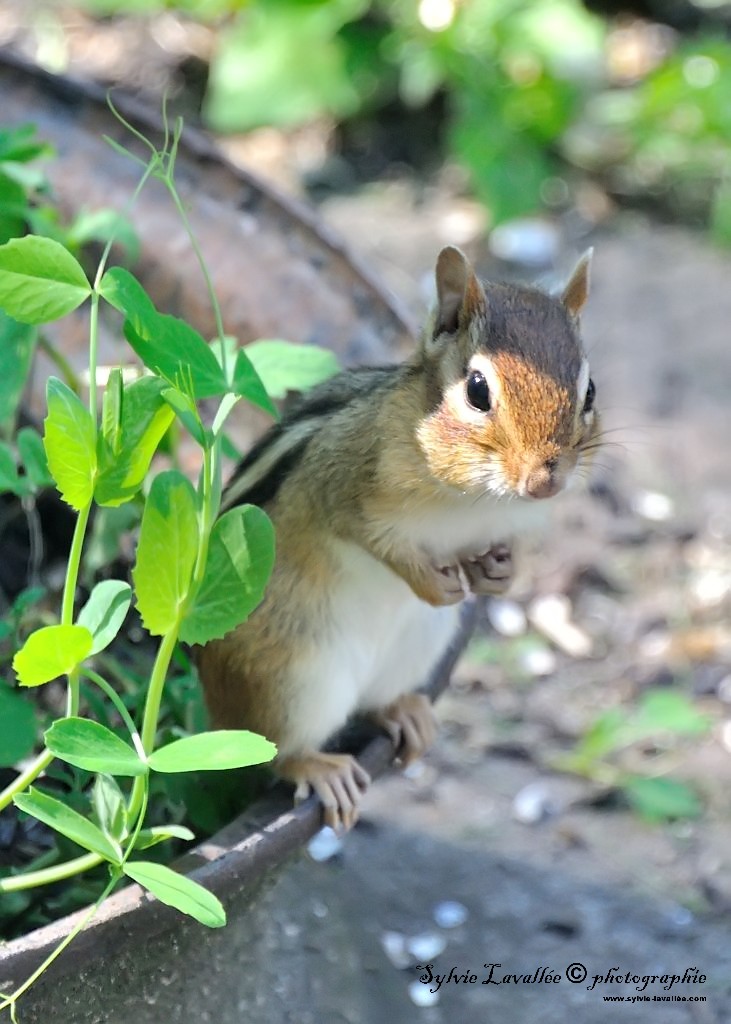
point(448, 585)
point(410, 723)
point(337, 779)
point(490, 572)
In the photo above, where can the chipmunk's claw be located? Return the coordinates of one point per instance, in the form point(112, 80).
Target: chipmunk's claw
point(336, 779)
point(490, 572)
point(410, 723)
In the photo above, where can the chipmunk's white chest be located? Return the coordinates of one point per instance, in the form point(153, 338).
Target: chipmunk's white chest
point(378, 642)
point(382, 631)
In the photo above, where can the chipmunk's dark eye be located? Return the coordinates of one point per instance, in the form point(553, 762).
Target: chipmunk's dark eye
point(590, 396)
point(478, 393)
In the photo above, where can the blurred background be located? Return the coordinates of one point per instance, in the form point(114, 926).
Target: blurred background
point(583, 767)
point(526, 106)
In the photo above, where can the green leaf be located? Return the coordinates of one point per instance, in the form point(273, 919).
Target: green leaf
point(17, 345)
point(89, 745)
point(213, 751)
point(9, 478)
point(283, 366)
point(662, 799)
point(668, 711)
point(17, 727)
point(148, 837)
point(248, 384)
point(178, 891)
point(283, 65)
point(100, 226)
point(145, 417)
point(70, 445)
point(605, 735)
point(240, 561)
point(176, 352)
point(110, 808)
point(20, 144)
point(27, 598)
point(68, 822)
point(104, 612)
point(123, 291)
point(51, 652)
point(166, 345)
point(112, 410)
point(185, 409)
point(40, 280)
point(33, 454)
point(166, 551)
point(13, 208)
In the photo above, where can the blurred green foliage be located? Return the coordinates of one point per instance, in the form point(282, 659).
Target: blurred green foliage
point(525, 82)
point(514, 73)
point(660, 721)
point(668, 136)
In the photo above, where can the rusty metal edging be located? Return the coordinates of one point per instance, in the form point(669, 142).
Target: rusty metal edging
point(71, 112)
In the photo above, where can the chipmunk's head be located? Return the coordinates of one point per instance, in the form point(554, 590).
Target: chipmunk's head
point(509, 395)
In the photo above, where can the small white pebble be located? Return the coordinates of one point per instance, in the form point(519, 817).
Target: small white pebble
point(450, 914)
point(319, 909)
point(526, 240)
point(654, 646)
point(653, 506)
point(538, 661)
point(533, 803)
point(681, 917)
point(420, 995)
point(325, 844)
point(394, 946)
point(415, 770)
point(551, 615)
point(726, 735)
point(426, 946)
point(507, 617)
point(711, 587)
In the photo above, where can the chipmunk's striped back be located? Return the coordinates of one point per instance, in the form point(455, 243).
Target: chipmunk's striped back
point(262, 471)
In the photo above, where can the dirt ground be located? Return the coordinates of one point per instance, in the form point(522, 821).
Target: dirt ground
point(644, 560)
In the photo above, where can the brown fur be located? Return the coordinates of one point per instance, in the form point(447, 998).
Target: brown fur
point(402, 442)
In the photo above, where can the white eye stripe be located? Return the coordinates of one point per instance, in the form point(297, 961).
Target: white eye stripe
point(484, 365)
point(582, 383)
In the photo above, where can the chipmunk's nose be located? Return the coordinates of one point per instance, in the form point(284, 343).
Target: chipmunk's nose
point(544, 480)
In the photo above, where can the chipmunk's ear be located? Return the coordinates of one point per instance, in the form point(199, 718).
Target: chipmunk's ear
point(576, 292)
point(459, 294)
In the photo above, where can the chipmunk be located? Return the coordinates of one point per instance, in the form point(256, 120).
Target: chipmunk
point(393, 491)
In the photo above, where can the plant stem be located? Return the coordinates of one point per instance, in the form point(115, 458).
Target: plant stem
point(152, 711)
point(74, 562)
point(157, 682)
point(10, 1001)
point(116, 700)
point(206, 524)
point(45, 757)
point(93, 349)
point(168, 179)
point(45, 876)
point(31, 773)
